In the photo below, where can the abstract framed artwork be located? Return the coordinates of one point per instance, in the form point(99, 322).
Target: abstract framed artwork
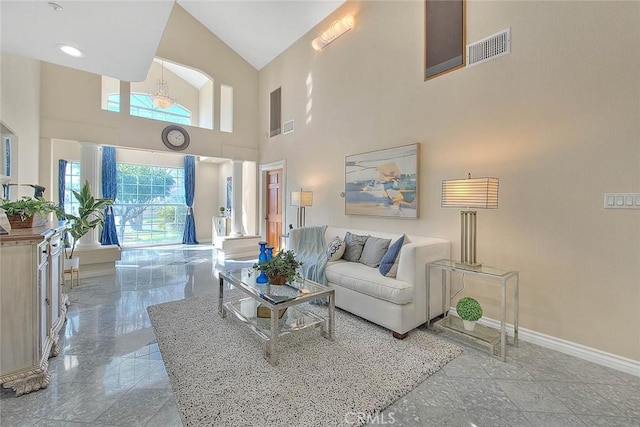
point(383, 182)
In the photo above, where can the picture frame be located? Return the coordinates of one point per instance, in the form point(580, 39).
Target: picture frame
point(445, 37)
point(383, 183)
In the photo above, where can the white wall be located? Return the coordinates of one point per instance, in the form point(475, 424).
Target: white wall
point(19, 111)
point(206, 106)
point(557, 120)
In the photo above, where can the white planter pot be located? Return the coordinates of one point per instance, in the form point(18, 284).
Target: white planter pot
point(469, 325)
point(73, 263)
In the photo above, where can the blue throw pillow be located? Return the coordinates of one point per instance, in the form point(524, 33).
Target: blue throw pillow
point(389, 262)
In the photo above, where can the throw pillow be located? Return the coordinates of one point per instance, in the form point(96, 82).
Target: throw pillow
point(373, 251)
point(335, 249)
point(353, 245)
point(390, 260)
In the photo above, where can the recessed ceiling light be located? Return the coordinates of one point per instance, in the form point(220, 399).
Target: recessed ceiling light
point(71, 51)
point(55, 6)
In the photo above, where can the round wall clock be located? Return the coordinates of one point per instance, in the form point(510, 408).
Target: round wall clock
point(175, 137)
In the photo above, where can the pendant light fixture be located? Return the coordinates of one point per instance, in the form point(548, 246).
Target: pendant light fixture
point(162, 99)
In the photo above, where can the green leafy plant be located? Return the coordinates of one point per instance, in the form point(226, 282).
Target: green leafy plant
point(27, 206)
point(469, 309)
point(223, 210)
point(283, 264)
point(90, 215)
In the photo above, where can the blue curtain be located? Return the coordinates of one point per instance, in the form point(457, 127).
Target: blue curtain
point(109, 191)
point(189, 236)
point(62, 170)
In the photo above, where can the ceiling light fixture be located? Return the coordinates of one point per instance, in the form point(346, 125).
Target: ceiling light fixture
point(336, 29)
point(161, 99)
point(71, 50)
point(55, 6)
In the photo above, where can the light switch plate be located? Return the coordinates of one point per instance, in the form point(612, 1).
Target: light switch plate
point(622, 200)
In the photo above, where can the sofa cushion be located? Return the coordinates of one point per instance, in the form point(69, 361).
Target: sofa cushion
point(373, 251)
point(354, 244)
point(335, 249)
point(360, 278)
point(391, 259)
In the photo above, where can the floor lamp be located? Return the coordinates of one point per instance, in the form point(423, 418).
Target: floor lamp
point(301, 199)
point(468, 194)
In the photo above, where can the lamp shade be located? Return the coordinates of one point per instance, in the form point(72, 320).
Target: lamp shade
point(479, 193)
point(302, 199)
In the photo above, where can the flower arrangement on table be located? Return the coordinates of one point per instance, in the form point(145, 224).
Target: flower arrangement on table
point(281, 268)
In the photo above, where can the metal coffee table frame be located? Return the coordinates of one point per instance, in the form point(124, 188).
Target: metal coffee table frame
point(273, 330)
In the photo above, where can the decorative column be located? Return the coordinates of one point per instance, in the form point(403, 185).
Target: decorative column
point(236, 198)
point(90, 169)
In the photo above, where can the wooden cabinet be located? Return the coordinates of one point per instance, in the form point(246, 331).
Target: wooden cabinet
point(32, 306)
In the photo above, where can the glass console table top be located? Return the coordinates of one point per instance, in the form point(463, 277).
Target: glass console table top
point(246, 278)
point(481, 269)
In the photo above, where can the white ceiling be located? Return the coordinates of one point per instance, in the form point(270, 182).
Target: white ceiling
point(260, 30)
point(120, 38)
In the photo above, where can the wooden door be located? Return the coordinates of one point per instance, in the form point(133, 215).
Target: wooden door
point(274, 208)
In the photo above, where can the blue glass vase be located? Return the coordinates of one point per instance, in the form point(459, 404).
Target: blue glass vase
point(262, 257)
point(269, 252)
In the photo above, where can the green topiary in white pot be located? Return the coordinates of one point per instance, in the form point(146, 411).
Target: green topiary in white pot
point(469, 311)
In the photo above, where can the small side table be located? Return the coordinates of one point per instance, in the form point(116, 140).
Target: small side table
point(482, 334)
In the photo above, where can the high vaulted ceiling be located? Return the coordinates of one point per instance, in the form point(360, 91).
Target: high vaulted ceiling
point(120, 38)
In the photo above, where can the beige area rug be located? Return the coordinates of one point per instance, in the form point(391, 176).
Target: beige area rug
point(220, 377)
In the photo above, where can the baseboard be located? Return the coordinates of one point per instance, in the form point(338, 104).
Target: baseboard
point(580, 351)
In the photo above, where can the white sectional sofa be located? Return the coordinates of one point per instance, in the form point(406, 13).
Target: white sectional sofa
point(398, 304)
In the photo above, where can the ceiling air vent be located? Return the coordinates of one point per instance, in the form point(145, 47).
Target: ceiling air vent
point(489, 48)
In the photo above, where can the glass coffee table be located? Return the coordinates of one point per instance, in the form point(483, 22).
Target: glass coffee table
point(280, 304)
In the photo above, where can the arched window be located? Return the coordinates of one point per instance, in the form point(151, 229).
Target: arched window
point(141, 106)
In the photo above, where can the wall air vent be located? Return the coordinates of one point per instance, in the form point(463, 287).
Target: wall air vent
point(287, 127)
point(488, 48)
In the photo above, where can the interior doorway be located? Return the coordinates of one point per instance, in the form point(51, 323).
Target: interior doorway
point(274, 208)
point(273, 202)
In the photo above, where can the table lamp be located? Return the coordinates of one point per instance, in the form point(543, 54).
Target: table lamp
point(301, 199)
point(468, 194)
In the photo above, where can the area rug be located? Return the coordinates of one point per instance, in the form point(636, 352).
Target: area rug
point(220, 377)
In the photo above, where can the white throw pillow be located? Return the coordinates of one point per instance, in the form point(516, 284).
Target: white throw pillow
point(335, 249)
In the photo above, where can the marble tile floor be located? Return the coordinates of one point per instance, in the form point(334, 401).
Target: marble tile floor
point(110, 371)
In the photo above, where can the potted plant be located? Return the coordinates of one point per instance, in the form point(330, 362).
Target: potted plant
point(90, 215)
point(281, 269)
point(20, 212)
point(223, 210)
point(469, 311)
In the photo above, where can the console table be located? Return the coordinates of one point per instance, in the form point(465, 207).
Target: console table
point(482, 334)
